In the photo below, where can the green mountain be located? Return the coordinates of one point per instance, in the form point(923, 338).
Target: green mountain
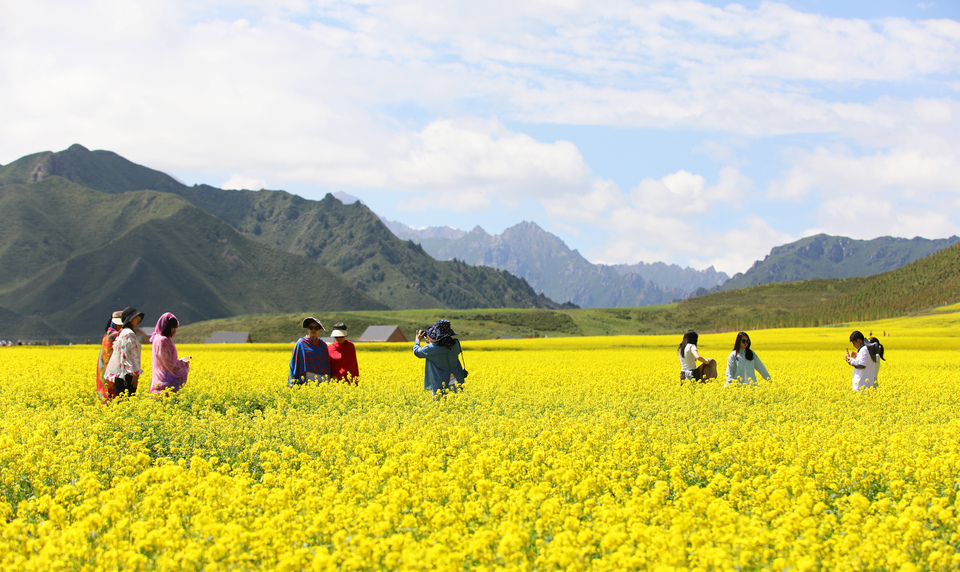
point(351, 240)
point(825, 256)
point(70, 255)
point(551, 267)
point(91, 227)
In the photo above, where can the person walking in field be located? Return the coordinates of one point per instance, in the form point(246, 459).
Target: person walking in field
point(343, 356)
point(442, 371)
point(124, 365)
point(310, 360)
point(689, 356)
point(169, 371)
point(864, 361)
point(105, 386)
point(743, 363)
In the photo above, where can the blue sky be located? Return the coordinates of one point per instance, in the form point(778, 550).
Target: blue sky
point(697, 133)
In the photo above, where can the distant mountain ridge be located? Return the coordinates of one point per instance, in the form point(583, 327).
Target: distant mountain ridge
point(562, 274)
point(825, 256)
point(83, 233)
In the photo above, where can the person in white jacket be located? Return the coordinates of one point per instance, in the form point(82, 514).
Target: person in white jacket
point(864, 362)
point(124, 365)
point(743, 364)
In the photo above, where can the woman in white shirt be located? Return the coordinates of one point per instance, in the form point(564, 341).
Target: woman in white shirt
point(743, 363)
point(124, 366)
point(689, 356)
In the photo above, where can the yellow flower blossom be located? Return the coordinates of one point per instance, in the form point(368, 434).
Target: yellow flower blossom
point(573, 454)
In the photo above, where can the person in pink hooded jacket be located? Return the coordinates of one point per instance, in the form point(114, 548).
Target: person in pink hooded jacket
point(169, 372)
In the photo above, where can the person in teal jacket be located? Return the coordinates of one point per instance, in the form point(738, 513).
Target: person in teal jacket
point(442, 371)
point(743, 364)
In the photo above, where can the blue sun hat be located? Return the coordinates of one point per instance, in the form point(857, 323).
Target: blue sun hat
point(440, 330)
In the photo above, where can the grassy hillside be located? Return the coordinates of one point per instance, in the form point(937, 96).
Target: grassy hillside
point(347, 239)
point(922, 286)
point(71, 255)
point(927, 283)
point(351, 240)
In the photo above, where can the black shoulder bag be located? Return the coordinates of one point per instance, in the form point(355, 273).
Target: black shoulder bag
point(464, 366)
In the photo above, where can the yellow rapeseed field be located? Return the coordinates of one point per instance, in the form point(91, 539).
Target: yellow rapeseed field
point(574, 454)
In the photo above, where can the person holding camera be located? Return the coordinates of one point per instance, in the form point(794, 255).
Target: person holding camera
point(442, 370)
point(863, 360)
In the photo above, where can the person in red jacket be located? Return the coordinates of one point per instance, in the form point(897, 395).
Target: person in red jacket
point(343, 356)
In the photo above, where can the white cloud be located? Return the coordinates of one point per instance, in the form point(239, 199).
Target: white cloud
point(422, 100)
point(479, 154)
point(891, 174)
point(587, 207)
point(671, 219)
point(239, 181)
point(689, 241)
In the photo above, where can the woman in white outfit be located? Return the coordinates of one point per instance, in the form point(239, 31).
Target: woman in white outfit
point(743, 363)
point(689, 356)
point(124, 365)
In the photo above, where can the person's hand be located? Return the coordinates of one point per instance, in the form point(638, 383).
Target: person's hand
point(420, 334)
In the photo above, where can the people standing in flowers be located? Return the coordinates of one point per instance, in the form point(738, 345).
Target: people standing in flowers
point(343, 356)
point(169, 371)
point(124, 369)
point(105, 386)
point(863, 360)
point(310, 360)
point(442, 371)
point(743, 363)
point(689, 356)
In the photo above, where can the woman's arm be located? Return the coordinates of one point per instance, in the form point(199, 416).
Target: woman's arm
point(426, 351)
point(167, 355)
point(696, 355)
point(731, 366)
point(859, 361)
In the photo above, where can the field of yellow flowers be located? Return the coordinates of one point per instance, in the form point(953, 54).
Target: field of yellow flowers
point(574, 454)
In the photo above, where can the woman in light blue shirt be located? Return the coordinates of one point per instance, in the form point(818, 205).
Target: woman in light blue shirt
point(743, 363)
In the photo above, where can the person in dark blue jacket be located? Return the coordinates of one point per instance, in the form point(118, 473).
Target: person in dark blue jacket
point(442, 371)
point(309, 361)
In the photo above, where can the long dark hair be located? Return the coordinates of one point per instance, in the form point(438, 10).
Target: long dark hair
point(691, 338)
point(875, 348)
point(748, 353)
